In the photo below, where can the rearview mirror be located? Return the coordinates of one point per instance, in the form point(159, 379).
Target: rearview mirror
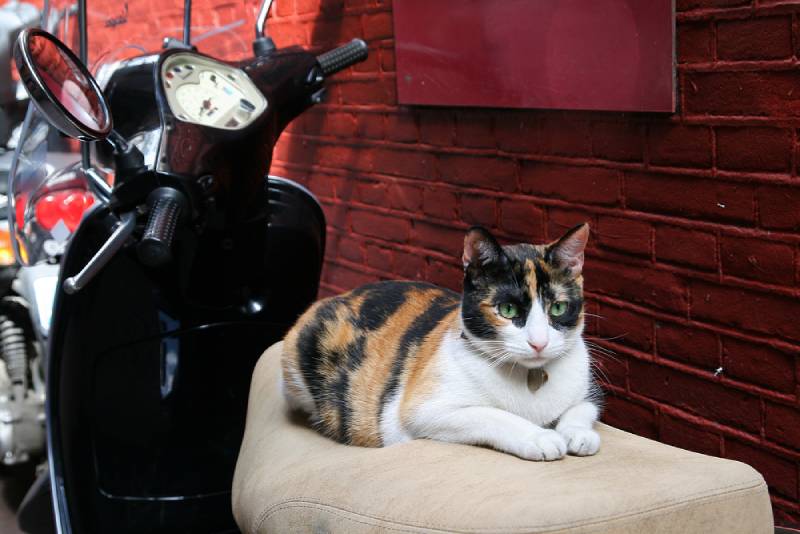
point(61, 86)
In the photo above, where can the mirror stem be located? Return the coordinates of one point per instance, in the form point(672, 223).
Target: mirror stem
point(127, 157)
point(187, 22)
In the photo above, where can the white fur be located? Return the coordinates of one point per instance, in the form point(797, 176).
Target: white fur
point(483, 398)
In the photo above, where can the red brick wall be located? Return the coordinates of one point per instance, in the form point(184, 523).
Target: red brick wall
point(693, 263)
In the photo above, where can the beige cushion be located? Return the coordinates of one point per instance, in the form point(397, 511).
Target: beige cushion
point(290, 479)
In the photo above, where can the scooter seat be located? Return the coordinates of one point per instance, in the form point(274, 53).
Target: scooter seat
point(291, 479)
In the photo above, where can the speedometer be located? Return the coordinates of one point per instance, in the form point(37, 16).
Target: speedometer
point(206, 92)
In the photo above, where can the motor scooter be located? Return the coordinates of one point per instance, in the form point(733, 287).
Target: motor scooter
point(190, 261)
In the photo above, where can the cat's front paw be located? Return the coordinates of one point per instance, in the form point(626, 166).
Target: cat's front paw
point(580, 441)
point(544, 445)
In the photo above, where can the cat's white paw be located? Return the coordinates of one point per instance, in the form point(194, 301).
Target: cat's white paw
point(581, 441)
point(544, 445)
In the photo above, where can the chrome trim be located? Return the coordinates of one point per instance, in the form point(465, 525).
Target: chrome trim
point(261, 20)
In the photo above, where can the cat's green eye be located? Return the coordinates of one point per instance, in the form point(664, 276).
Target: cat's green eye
point(558, 308)
point(508, 310)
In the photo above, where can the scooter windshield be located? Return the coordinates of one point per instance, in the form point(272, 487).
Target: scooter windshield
point(48, 188)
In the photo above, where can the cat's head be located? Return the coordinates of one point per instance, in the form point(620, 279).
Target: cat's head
point(523, 303)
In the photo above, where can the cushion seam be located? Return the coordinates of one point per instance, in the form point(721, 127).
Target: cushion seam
point(691, 499)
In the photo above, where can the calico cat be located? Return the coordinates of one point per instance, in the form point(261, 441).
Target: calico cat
point(503, 365)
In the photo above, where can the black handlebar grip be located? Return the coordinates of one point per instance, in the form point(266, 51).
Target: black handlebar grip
point(340, 58)
point(166, 205)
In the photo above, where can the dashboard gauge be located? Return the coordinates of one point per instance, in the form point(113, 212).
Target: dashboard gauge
point(204, 91)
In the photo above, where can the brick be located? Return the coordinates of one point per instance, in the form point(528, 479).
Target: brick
point(311, 122)
point(340, 125)
point(306, 6)
point(702, 397)
point(487, 172)
point(480, 210)
point(584, 185)
point(371, 64)
point(757, 259)
point(408, 265)
point(679, 145)
point(440, 203)
point(475, 130)
point(445, 275)
point(324, 185)
point(522, 218)
point(782, 424)
point(439, 238)
point(777, 207)
point(694, 42)
point(562, 137)
point(518, 131)
point(734, 307)
point(630, 416)
point(372, 193)
point(686, 247)
point(339, 157)
point(561, 220)
point(346, 278)
point(356, 4)
point(690, 197)
point(328, 32)
point(618, 141)
point(371, 92)
point(754, 149)
point(761, 38)
point(758, 93)
point(349, 249)
point(404, 197)
point(625, 327)
point(624, 235)
point(648, 287)
point(335, 214)
point(387, 60)
point(780, 473)
point(758, 364)
point(380, 226)
point(679, 433)
point(377, 26)
point(370, 125)
point(401, 128)
point(378, 257)
point(283, 9)
point(688, 344)
point(410, 163)
point(436, 127)
point(686, 5)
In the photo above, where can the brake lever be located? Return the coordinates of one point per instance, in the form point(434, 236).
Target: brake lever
point(123, 231)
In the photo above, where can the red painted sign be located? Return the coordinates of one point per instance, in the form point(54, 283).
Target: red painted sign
point(554, 54)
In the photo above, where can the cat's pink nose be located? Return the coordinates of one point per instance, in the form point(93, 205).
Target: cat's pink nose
point(538, 346)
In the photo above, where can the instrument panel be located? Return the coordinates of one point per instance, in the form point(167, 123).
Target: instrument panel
point(203, 91)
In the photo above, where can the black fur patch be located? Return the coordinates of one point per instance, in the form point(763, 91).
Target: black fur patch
point(380, 302)
point(308, 348)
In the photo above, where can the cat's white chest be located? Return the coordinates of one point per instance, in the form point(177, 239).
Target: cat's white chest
point(470, 380)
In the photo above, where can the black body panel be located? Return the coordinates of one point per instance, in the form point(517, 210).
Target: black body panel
point(150, 367)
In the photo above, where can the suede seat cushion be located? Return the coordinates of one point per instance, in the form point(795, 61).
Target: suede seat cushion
point(290, 479)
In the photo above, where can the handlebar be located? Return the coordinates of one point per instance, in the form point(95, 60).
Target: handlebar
point(342, 57)
point(166, 205)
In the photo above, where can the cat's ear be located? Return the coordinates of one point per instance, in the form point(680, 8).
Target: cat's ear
point(567, 252)
point(481, 248)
